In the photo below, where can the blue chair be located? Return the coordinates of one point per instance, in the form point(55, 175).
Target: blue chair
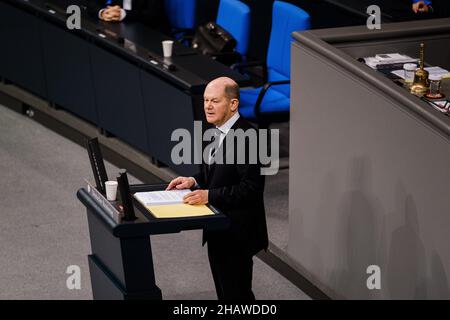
point(234, 17)
point(271, 102)
point(181, 14)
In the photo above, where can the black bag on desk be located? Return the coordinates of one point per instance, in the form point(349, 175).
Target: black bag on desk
point(214, 41)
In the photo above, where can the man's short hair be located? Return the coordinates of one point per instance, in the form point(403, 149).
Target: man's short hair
point(232, 91)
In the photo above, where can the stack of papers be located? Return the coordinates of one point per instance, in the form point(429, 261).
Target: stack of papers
point(388, 59)
point(161, 197)
point(439, 72)
point(169, 204)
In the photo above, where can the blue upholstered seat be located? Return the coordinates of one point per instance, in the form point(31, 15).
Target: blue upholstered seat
point(273, 101)
point(234, 16)
point(181, 14)
point(286, 18)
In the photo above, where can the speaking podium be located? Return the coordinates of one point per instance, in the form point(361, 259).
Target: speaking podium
point(121, 263)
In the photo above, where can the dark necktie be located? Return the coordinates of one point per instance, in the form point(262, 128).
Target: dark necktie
point(214, 148)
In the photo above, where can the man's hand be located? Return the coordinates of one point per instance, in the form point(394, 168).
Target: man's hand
point(196, 197)
point(111, 13)
point(181, 183)
point(420, 7)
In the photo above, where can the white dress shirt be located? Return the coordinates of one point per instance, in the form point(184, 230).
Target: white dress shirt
point(223, 129)
point(226, 127)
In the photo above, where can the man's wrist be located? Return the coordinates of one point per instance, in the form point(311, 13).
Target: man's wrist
point(195, 182)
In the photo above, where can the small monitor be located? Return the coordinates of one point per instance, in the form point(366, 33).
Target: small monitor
point(125, 195)
point(97, 164)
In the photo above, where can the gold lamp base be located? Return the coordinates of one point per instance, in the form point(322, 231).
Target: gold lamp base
point(419, 89)
point(421, 83)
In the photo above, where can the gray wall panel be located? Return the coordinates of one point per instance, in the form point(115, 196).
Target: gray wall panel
point(368, 185)
point(119, 98)
point(163, 101)
point(68, 71)
point(21, 59)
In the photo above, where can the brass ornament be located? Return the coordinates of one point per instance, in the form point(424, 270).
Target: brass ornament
point(421, 83)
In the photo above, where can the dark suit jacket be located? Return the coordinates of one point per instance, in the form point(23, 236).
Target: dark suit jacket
point(149, 12)
point(441, 8)
point(237, 190)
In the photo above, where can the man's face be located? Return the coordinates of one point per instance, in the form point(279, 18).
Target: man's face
point(218, 107)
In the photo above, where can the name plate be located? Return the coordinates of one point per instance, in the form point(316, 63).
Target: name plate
point(103, 202)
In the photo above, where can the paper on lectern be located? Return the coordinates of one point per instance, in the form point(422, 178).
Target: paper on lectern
point(179, 210)
point(169, 204)
point(161, 197)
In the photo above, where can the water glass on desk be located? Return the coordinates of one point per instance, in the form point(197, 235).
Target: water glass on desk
point(410, 69)
point(111, 190)
point(167, 48)
point(435, 86)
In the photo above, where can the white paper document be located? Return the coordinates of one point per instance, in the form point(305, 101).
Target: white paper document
point(391, 57)
point(387, 58)
point(431, 70)
point(155, 198)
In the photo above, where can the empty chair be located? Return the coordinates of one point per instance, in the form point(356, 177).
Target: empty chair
point(181, 14)
point(234, 17)
point(271, 102)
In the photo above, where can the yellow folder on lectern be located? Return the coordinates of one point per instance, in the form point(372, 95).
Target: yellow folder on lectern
point(179, 210)
point(169, 204)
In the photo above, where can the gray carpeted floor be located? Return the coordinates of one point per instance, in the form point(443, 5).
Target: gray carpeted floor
point(43, 227)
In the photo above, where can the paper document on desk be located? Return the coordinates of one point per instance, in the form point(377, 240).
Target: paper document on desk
point(180, 210)
point(445, 74)
point(161, 197)
point(169, 204)
point(438, 71)
point(388, 59)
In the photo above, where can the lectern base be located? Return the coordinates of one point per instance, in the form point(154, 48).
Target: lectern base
point(106, 287)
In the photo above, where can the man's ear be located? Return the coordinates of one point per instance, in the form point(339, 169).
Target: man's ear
point(234, 104)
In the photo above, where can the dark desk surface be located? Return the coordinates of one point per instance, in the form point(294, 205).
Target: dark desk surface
point(140, 44)
point(391, 11)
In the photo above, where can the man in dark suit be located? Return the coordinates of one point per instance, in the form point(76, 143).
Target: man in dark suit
point(149, 12)
point(234, 188)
